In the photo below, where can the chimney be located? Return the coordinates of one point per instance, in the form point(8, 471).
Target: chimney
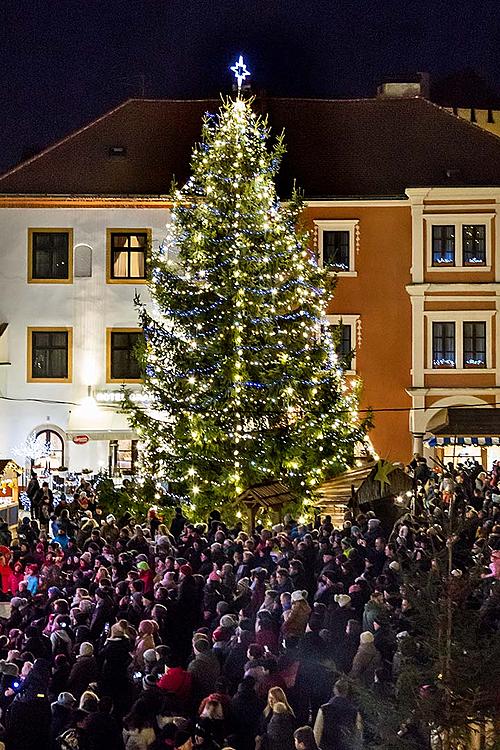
point(408, 87)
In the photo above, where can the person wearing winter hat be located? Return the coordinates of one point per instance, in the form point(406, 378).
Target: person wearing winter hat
point(62, 710)
point(185, 571)
point(84, 670)
point(205, 669)
point(343, 600)
point(367, 660)
point(298, 616)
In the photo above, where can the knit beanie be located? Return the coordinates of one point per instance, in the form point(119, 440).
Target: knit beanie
point(366, 637)
point(86, 649)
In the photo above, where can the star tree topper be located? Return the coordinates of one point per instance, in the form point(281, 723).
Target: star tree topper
point(240, 71)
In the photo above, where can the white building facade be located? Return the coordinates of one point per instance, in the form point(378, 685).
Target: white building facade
point(70, 271)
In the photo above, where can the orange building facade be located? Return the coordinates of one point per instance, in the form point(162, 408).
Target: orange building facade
point(418, 285)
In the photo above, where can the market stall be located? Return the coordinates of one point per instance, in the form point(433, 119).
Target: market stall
point(9, 492)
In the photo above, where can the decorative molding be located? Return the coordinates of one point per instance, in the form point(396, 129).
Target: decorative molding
point(340, 225)
point(458, 221)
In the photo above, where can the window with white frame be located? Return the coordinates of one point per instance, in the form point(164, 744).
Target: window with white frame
point(460, 242)
point(459, 341)
point(346, 338)
point(336, 241)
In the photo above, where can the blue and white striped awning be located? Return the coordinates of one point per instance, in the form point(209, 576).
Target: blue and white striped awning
point(456, 440)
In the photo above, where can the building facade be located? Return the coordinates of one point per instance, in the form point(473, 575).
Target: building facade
point(69, 275)
point(401, 198)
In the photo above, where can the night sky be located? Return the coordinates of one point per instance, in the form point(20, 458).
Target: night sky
point(64, 62)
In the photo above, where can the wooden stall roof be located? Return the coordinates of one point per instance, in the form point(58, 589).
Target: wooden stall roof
point(9, 468)
point(339, 489)
point(266, 495)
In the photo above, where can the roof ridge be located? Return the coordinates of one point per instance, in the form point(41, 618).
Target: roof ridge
point(66, 138)
point(468, 124)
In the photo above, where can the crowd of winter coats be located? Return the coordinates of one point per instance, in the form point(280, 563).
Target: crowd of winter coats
point(122, 635)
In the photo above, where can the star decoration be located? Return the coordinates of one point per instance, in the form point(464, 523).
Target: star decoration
point(240, 71)
point(384, 468)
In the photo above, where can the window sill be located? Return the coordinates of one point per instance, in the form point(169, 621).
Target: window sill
point(124, 380)
point(126, 281)
point(459, 269)
point(351, 274)
point(459, 370)
point(49, 281)
point(48, 380)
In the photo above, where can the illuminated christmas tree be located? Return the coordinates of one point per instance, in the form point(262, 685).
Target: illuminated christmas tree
point(243, 382)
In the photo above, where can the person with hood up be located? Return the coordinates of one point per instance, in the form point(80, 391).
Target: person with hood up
point(144, 642)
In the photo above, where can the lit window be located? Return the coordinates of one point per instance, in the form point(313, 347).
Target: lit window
point(337, 241)
point(443, 245)
point(474, 335)
point(336, 245)
point(474, 244)
point(127, 255)
point(443, 345)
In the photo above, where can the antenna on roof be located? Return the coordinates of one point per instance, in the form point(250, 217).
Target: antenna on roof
point(137, 82)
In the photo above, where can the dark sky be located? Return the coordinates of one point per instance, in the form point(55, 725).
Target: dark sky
point(64, 62)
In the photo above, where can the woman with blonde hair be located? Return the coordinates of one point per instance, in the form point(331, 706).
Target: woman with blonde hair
point(280, 729)
point(281, 718)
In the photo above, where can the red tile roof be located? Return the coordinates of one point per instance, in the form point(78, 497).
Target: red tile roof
point(335, 148)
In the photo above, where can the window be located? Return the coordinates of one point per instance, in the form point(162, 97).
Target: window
point(460, 341)
point(474, 335)
point(443, 245)
point(443, 345)
point(122, 363)
point(122, 457)
point(336, 250)
point(474, 244)
point(50, 256)
point(336, 241)
point(55, 451)
point(127, 255)
point(49, 354)
point(347, 337)
point(459, 242)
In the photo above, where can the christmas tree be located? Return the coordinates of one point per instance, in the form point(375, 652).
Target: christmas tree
point(242, 379)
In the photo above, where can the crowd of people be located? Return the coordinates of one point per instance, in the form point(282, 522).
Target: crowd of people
point(146, 636)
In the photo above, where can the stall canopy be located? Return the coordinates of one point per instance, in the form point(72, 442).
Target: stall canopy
point(268, 495)
point(99, 423)
point(466, 426)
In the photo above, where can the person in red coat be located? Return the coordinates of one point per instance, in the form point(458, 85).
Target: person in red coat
point(5, 573)
point(179, 684)
point(146, 576)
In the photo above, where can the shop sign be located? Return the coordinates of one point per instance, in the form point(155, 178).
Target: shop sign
point(81, 439)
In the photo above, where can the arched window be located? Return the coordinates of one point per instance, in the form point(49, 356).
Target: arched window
point(55, 457)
